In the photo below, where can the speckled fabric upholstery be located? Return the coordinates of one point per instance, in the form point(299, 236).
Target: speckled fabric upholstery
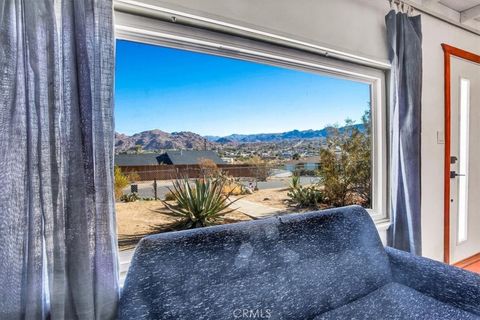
point(319, 265)
point(291, 267)
point(451, 285)
point(396, 301)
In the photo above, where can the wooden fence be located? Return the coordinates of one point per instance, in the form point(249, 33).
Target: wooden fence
point(168, 172)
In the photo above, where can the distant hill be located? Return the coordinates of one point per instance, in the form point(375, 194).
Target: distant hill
point(158, 139)
point(274, 137)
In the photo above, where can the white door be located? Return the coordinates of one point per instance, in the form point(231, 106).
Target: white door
point(465, 160)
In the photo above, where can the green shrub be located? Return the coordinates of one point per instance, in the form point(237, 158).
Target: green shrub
point(121, 181)
point(306, 197)
point(131, 197)
point(346, 165)
point(200, 203)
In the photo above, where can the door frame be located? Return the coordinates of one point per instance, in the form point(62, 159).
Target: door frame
point(448, 52)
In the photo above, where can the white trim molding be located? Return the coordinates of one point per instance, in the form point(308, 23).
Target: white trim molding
point(165, 14)
point(470, 14)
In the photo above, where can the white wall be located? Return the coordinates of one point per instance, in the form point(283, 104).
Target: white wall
point(436, 32)
point(337, 24)
point(357, 27)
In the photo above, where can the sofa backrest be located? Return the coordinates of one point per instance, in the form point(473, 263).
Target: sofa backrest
point(288, 267)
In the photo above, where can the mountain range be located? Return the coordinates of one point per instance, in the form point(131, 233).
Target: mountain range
point(158, 139)
point(276, 137)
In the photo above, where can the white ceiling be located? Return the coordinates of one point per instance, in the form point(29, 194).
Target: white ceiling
point(460, 5)
point(465, 12)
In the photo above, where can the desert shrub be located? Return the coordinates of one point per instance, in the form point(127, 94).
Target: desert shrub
point(121, 181)
point(131, 197)
point(305, 172)
point(304, 197)
point(261, 169)
point(133, 176)
point(345, 165)
point(231, 185)
point(233, 189)
point(169, 196)
point(208, 168)
point(200, 203)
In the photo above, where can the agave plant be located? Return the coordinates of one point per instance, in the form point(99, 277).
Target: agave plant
point(200, 203)
point(306, 197)
point(295, 182)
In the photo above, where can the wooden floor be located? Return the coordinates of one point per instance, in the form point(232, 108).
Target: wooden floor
point(471, 264)
point(475, 267)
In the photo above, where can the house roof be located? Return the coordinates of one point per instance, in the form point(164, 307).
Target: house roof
point(130, 160)
point(192, 157)
point(185, 157)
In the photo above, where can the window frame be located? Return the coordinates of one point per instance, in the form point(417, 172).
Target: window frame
point(142, 29)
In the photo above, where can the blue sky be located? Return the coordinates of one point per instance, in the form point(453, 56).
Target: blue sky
point(177, 90)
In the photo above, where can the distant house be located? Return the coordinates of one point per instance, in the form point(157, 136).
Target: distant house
point(181, 157)
point(189, 157)
point(228, 160)
point(310, 164)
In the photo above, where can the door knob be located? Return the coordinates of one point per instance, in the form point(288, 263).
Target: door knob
point(453, 174)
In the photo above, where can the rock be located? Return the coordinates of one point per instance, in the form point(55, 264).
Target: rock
point(248, 190)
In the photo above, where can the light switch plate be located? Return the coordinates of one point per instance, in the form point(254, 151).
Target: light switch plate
point(440, 137)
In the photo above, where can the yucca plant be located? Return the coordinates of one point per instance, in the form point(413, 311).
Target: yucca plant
point(306, 197)
point(200, 203)
point(295, 182)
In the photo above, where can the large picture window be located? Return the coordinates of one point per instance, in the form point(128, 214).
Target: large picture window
point(210, 133)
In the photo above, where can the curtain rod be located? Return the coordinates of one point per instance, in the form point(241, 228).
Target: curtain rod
point(430, 12)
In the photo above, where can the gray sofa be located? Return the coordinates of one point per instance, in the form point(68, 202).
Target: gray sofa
point(320, 265)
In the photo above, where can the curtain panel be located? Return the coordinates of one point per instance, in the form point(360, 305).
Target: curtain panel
point(58, 256)
point(404, 38)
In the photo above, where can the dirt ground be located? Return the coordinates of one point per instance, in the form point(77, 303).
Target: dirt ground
point(136, 217)
point(275, 198)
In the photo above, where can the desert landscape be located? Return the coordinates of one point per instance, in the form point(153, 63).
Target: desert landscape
point(140, 217)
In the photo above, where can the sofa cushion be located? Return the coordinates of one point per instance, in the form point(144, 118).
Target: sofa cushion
point(396, 301)
point(291, 267)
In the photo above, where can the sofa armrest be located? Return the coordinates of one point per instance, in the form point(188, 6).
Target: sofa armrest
point(451, 285)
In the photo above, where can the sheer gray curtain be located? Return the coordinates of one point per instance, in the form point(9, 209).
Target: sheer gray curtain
point(58, 256)
point(405, 52)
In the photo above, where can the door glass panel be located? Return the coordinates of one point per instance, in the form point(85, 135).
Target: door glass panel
point(463, 160)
